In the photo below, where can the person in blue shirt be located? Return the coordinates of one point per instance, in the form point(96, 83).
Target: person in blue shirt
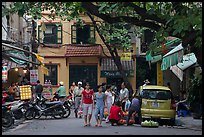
point(100, 105)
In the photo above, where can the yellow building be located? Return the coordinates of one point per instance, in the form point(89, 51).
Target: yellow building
point(70, 57)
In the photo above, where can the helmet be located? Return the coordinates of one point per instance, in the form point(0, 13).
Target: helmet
point(79, 83)
point(61, 83)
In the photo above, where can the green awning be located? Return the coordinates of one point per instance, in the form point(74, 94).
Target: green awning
point(172, 58)
point(18, 54)
point(153, 59)
point(188, 60)
point(170, 43)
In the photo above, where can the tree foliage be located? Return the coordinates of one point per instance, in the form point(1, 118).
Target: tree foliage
point(179, 19)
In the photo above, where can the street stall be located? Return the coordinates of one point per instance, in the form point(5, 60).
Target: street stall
point(25, 92)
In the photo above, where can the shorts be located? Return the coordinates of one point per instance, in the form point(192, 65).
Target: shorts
point(88, 108)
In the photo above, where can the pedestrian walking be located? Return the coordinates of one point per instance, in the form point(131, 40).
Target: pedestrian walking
point(104, 87)
point(61, 91)
point(38, 89)
point(100, 105)
point(123, 95)
point(109, 99)
point(72, 88)
point(87, 98)
point(77, 97)
point(116, 113)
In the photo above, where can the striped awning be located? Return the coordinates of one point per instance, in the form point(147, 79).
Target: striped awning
point(172, 58)
point(108, 64)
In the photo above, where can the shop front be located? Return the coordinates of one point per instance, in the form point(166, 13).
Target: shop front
point(110, 72)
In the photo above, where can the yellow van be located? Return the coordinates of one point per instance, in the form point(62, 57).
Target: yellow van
point(157, 102)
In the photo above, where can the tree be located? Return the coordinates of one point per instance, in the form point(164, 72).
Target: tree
point(178, 19)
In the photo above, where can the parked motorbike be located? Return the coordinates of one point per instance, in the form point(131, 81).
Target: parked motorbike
point(38, 109)
point(7, 116)
point(18, 108)
point(67, 104)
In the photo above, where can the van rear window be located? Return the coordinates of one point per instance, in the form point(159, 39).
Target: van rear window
point(156, 94)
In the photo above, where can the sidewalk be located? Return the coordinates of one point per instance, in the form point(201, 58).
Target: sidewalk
point(189, 122)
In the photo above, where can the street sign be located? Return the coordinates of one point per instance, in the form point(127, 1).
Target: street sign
point(33, 77)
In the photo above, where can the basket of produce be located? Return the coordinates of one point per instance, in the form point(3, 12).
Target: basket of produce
point(149, 124)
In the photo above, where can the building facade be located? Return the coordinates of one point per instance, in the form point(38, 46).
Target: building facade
point(75, 54)
point(16, 33)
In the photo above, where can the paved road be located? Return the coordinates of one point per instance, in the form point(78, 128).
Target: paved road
point(73, 126)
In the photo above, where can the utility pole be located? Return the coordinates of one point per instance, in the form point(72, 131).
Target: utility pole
point(33, 42)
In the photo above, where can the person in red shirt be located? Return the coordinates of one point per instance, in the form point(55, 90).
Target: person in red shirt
point(87, 97)
point(115, 113)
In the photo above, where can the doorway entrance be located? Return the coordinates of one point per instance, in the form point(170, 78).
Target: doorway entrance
point(83, 73)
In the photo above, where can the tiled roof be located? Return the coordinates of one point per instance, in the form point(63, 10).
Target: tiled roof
point(84, 50)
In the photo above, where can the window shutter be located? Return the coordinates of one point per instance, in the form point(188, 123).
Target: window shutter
point(59, 34)
point(40, 35)
point(92, 32)
point(73, 34)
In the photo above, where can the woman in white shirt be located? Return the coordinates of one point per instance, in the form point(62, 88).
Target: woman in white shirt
point(124, 95)
point(109, 99)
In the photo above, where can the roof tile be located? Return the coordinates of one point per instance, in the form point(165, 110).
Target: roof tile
point(78, 50)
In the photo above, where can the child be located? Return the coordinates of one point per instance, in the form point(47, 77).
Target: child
point(115, 113)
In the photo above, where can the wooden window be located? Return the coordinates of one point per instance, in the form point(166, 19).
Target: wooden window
point(52, 34)
point(84, 35)
point(52, 76)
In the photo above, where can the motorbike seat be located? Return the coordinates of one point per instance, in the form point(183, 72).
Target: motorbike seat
point(54, 102)
point(3, 105)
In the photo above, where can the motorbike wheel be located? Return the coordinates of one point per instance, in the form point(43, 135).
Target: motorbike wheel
point(7, 120)
point(18, 114)
point(37, 115)
point(58, 113)
point(67, 111)
point(30, 114)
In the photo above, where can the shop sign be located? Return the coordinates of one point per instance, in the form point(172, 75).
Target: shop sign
point(4, 74)
point(33, 77)
point(117, 74)
point(126, 56)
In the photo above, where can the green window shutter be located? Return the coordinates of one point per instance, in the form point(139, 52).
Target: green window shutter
point(73, 34)
point(59, 34)
point(92, 33)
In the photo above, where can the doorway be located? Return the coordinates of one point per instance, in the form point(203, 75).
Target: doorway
point(83, 73)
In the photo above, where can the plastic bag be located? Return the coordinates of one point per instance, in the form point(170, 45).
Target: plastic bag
point(80, 112)
point(106, 112)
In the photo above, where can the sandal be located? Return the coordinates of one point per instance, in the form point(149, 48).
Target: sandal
point(89, 124)
point(96, 125)
point(85, 125)
point(100, 125)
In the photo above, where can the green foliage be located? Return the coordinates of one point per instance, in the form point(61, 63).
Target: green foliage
point(177, 22)
point(116, 35)
point(195, 90)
